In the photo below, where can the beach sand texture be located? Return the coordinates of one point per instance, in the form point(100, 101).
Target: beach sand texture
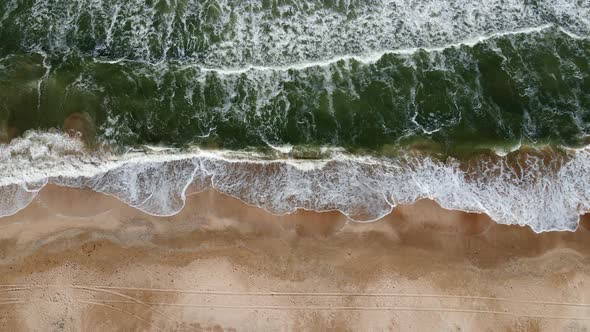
point(79, 260)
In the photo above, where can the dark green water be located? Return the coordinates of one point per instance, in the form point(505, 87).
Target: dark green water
point(152, 73)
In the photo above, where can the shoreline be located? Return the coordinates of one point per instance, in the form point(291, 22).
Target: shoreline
point(221, 264)
point(542, 189)
point(342, 165)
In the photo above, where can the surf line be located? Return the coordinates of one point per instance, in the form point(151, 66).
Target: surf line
point(366, 59)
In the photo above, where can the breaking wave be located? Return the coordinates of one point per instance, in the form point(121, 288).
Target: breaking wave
point(527, 84)
point(545, 192)
point(221, 33)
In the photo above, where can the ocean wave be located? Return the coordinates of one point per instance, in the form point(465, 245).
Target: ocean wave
point(368, 58)
point(221, 33)
point(545, 192)
point(524, 85)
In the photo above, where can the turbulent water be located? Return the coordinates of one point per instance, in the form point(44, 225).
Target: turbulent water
point(360, 85)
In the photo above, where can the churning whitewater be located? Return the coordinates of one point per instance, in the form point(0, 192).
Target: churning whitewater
point(382, 90)
point(228, 33)
point(528, 189)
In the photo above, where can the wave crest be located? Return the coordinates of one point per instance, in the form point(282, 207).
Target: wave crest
point(257, 32)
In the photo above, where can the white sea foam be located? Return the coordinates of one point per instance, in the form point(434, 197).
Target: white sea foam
point(540, 195)
point(370, 57)
point(238, 34)
point(365, 58)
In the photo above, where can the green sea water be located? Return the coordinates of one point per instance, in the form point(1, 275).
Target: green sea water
point(251, 74)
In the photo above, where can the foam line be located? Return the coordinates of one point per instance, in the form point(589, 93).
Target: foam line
point(369, 58)
point(233, 34)
point(543, 195)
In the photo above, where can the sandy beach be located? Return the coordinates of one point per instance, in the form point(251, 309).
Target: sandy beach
point(79, 260)
point(301, 165)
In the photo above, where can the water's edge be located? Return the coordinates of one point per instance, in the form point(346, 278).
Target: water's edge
point(545, 192)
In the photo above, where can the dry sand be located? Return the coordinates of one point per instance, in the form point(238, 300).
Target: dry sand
point(77, 260)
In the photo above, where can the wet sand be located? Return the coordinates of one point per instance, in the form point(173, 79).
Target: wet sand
point(77, 260)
